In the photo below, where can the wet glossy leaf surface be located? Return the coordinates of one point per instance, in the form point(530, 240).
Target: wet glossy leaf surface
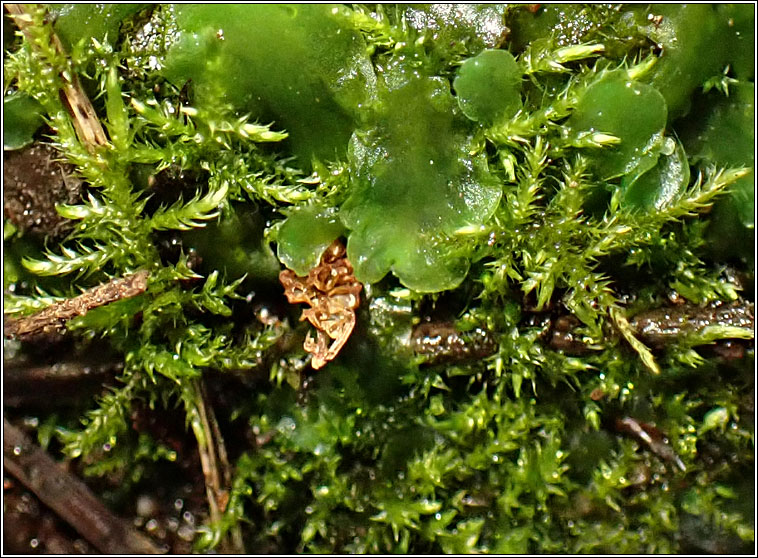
point(305, 235)
point(488, 86)
point(22, 116)
point(631, 111)
point(76, 21)
point(315, 66)
point(660, 186)
point(415, 182)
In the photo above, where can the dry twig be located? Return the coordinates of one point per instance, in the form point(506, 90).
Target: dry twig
point(215, 464)
point(69, 497)
point(62, 383)
point(54, 317)
point(86, 122)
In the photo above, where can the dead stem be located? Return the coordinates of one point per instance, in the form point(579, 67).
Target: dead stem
point(53, 317)
point(213, 451)
point(86, 122)
point(69, 497)
point(26, 384)
point(226, 471)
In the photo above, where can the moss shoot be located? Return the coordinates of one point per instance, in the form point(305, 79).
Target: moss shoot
point(550, 208)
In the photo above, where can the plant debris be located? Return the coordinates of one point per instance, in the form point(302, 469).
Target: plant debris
point(651, 437)
point(69, 497)
point(332, 292)
point(442, 343)
point(662, 326)
point(54, 317)
point(83, 114)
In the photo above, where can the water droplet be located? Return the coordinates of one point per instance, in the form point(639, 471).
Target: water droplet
point(286, 424)
point(146, 506)
point(186, 533)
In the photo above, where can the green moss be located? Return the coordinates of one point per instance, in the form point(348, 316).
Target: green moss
point(567, 202)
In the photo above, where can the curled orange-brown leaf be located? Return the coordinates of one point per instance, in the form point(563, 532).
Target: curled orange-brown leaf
point(333, 294)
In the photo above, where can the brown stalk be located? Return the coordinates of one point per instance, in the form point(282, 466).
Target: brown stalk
point(213, 453)
point(54, 317)
point(60, 384)
point(69, 497)
point(86, 122)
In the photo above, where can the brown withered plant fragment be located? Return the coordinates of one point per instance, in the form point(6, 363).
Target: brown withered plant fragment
point(333, 294)
point(661, 326)
point(649, 436)
point(69, 497)
point(85, 119)
point(54, 317)
point(442, 343)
